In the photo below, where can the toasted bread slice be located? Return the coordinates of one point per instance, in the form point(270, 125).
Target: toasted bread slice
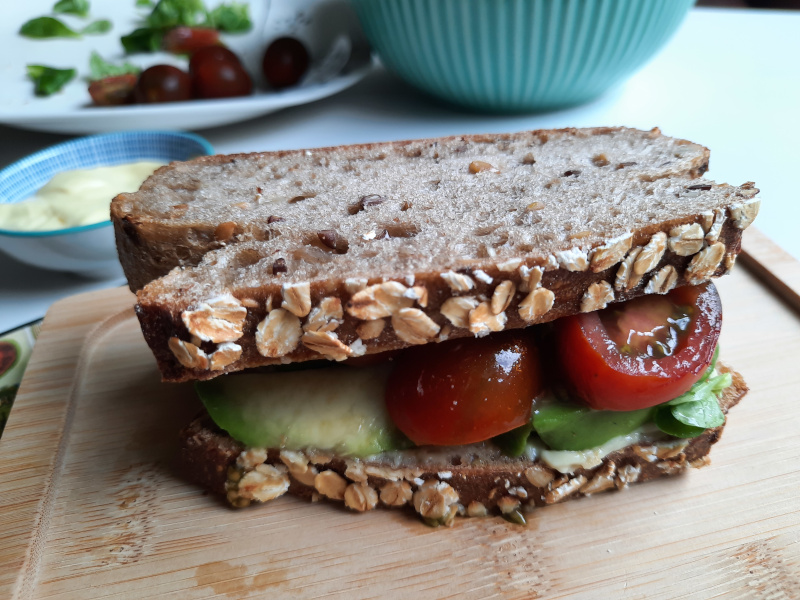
point(238, 309)
point(385, 246)
point(186, 209)
point(470, 480)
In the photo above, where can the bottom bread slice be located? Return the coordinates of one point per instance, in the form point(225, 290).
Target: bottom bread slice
point(439, 484)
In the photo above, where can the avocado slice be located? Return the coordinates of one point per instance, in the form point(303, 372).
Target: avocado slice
point(340, 409)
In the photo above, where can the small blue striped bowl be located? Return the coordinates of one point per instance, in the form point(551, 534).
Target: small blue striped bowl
point(88, 250)
point(518, 55)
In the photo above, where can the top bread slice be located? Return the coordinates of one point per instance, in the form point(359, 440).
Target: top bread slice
point(447, 238)
point(186, 209)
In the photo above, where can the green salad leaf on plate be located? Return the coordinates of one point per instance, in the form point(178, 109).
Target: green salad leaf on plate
point(100, 68)
point(49, 80)
point(44, 28)
point(230, 18)
point(97, 27)
point(79, 8)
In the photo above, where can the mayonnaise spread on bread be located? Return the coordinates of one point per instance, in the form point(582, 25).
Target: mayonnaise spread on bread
point(75, 198)
point(569, 461)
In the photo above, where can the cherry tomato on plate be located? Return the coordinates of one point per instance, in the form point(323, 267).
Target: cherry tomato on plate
point(464, 391)
point(642, 352)
point(113, 91)
point(220, 79)
point(185, 40)
point(285, 62)
point(212, 54)
point(218, 73)
point(163, 83)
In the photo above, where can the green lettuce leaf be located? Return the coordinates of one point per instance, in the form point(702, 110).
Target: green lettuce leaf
point(230, 18)
point(97, 27)
point(100, 69)
point(143, 39)
point(48, 80)
point(79, 8)
point(565, 426)
point(513, 442)
point(702, 390)
point(43, 28)
point(667, 423)
point(690, 414)
point(173, 13)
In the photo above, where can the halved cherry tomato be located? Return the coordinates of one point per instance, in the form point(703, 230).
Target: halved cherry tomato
point(113, 91)
point(464, 391)
point(642, 352)
point(185, 40)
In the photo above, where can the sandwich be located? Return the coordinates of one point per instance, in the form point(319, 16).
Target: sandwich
point(468, 325)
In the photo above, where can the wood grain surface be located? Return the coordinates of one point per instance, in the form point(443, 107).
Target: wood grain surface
point(776, 268)
point(90, 507)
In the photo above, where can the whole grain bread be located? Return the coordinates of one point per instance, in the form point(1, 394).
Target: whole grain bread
point(186, 209)
point(280, 301)
point(472, 480)
point(385, 246)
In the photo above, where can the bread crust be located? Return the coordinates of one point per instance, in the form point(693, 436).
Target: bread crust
point(209, 457)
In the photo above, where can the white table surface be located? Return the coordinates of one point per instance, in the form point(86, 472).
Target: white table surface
point(729, 79)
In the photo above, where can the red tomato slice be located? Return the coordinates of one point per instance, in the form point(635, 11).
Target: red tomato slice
point(642, 352)
point(464, 391)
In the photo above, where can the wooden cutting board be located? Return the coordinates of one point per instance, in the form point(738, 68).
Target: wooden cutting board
point(90, 508)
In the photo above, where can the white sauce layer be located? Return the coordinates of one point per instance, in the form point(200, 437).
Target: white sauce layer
point(568, 461)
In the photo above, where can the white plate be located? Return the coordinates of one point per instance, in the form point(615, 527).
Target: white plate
point(317, 23)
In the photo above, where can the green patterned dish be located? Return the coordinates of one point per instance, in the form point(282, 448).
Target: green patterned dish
point(518, 55)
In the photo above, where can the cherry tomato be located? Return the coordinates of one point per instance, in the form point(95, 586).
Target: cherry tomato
point(285, 62)
point(113, 91)
point(212, 54)
point(186, 40)
point(163, 83)
point(642, 352)
point(464, 391)
point(220, 79)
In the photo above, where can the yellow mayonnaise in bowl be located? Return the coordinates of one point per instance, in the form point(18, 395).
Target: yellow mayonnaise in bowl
point(54, 204)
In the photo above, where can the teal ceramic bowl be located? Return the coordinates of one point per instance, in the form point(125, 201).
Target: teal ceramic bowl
point(518, 55)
